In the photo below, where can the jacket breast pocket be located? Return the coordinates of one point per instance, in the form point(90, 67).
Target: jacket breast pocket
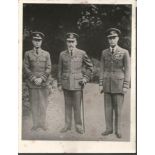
point(65, 64)
point(118, 60)
point(42, 59)
point(77, 63)
point(107, 61)
point(65, 76)
point(33, 61)
point(32, 58)
point(118, 57)
point(108, 58)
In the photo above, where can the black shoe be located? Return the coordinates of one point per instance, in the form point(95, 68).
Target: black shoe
point(65, 129)
point(80, 130)
point(106, 133)
point(118, 135)
point(34, 128)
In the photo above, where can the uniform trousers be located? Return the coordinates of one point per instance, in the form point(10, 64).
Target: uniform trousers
point(113, 103)
point(72, 103)
point(39, 101)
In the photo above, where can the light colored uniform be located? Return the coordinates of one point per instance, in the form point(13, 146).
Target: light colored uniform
point(38, 66)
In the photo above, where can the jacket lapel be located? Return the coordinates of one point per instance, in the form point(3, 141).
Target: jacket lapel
point(117, 50)
point(39, 52)
point(109, 52)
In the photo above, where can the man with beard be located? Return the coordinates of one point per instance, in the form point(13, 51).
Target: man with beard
point(71, 79)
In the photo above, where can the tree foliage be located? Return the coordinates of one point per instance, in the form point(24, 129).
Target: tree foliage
point(89, 21)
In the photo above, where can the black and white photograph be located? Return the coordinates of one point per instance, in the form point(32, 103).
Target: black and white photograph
point(78, 75)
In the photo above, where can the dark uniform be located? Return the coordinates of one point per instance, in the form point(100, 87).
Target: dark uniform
point(114, 76)
point(69, 77)
point(37, 64)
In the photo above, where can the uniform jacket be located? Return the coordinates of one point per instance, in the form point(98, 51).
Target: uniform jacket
point(70, 69)
point(114, 70)
point(37, 65)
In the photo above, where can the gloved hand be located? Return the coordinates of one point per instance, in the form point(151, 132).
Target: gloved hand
point(101, 89)
point(125, 90)
point(60, 88)
point(83, 82)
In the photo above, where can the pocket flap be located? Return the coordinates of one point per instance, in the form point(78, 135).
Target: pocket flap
point(115, 75)
point(42, 59)
point(118, 75)
point(32, 58)
point(65, 76)
point(78, 76)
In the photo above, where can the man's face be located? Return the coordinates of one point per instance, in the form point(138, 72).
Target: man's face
point(113, 41)
point(37, 43)
point(71, 44)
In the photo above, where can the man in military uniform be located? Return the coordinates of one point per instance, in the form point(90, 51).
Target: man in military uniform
point(114, 80)
point(37, 66)
point(71, 79)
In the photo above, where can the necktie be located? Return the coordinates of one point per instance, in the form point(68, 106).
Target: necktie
point(112, 51)
point(37, 51)
point(71, 52)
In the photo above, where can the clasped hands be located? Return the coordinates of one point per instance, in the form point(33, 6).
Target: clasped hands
point(38, 81)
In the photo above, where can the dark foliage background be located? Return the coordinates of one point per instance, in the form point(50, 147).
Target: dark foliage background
point(89, 21)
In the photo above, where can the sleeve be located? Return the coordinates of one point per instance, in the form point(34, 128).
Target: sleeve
point(27, 68)
point(88, 66)
point(48, 68)
point(126, 70)
point(60, 70)
point(101, 70)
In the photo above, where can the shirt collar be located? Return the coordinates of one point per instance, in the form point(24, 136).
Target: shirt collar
point(72, 50)
point(39, 50)
point(113, 48)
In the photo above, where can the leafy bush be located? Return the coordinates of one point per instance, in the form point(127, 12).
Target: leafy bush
point(96, 71)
